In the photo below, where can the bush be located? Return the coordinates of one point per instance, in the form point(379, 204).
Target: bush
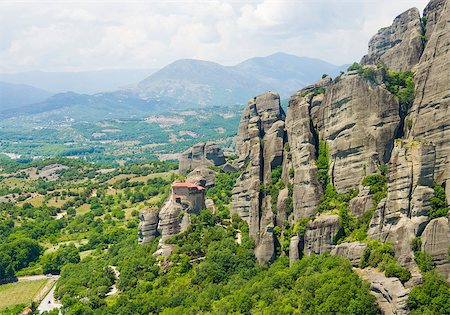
point(438, 203)
point(431, 297)
point(394, 270)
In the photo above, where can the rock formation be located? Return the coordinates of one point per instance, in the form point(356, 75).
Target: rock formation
point(436, 242)
point(148, 226)
point(260, 144)
point(302, 145)
point(320, 234)
point(391, 295)
point(358, 118)
point(398, 46)
point(201, 154)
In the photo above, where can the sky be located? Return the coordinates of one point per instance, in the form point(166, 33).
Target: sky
point(68, 35)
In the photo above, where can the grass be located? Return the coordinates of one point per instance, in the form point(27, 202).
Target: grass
point(83, 209)
point(35, 201)
point(165, 175)
point(18, 293)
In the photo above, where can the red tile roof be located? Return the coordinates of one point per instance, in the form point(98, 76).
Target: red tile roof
point(187, 185)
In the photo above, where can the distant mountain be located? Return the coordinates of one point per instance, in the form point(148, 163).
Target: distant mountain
point(286, 73)
point(16, 95)
point(191, 81)
point(84, 107)
point(182, 84)
point(86, 82)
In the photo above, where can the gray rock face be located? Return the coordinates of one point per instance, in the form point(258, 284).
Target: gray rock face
point(402, 216)
point(430, 113)
point(359, 139)
point(202, 176)
point(352, 251)
point(295, 248)
point(302, 142)
point(398, 46)
point(169, 220)
point(320, 234)
point(201, 154)
point(432, 13)
point(260, 148)
point(391, 295)
point(362, 203)
point(148, 225)
point(436, 242)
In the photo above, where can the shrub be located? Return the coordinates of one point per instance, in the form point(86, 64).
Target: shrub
point(394, 270)
point(438, 203)
point(431, 297)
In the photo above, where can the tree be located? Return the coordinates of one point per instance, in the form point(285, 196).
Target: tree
point(53, 262)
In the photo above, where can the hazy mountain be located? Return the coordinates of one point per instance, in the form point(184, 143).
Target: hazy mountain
point(208, 83)
point(286, 73)
point(181, 84)
point(16, 95)
point(73, 106)
point(190, 81)
point(87, 82)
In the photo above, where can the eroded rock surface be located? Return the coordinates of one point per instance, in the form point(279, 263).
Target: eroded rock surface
point(358, 118)
point(352, 251)
point(391, 295)
point(260, 145)
point(148, 225)
point(320, 234)
point(398, 46)
point(436, 242)
point(201, 154)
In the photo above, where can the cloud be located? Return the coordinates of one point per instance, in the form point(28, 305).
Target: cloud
point(98, 34)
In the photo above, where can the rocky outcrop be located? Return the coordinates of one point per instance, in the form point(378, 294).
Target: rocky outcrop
point(352, 251)
point(148, 225)
point(430, 113)
point(431, 14)
point(398, 46)
point(260, 145)
point(361, 203)
point(201, 154)
point(320, 234)
point(202, 176)
point(436, 242)
point(169, 220)
point(358, 118)
point(391, 295)
point(302, 145)
point(296, 246)
point(403, 214)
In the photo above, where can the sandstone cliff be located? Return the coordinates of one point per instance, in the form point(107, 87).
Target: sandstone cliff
point(201, 154)
point(260, 144)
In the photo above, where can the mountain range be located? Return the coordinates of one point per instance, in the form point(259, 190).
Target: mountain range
point(181, 84)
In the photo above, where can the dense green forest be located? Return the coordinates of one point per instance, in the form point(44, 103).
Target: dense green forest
point(80, 220)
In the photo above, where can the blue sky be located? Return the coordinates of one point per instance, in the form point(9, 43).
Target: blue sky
point(82, 35)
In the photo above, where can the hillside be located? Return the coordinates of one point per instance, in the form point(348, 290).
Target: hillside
point(338, 204)
point(16, 95)
point(193, 82)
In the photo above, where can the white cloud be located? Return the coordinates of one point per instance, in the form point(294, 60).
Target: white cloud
point(96, 34)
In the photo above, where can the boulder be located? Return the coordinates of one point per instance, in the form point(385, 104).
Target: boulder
point(202, 176)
